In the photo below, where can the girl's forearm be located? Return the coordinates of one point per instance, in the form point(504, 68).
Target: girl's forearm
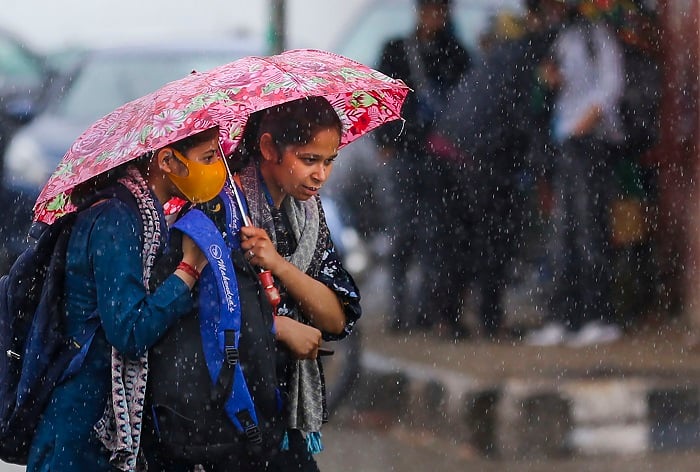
point(318, 303)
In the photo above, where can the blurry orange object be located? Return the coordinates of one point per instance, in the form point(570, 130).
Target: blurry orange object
point(628, 221)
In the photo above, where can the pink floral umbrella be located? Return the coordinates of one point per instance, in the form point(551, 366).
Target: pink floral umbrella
point(225, 96)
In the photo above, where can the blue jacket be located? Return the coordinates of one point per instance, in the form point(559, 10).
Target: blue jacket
point(103, 273)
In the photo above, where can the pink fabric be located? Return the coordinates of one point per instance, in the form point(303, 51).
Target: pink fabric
point(445, 149)
point(225, 96)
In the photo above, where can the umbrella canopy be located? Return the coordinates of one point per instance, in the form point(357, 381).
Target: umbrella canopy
point(225, 96)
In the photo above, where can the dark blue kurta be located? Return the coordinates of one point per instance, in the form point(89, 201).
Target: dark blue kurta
point(104, 273)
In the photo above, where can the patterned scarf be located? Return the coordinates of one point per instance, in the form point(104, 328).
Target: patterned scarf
point(119, 429)
point(305, 386)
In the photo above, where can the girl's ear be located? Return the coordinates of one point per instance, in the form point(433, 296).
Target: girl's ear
point(268, 150)
point(164, 158)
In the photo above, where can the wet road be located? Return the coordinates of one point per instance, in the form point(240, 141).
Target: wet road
point(363, 445)
point(352, 447)
point(356, 441)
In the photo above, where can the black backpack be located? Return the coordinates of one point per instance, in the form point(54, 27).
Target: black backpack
point(186, 421)
point(35, 354)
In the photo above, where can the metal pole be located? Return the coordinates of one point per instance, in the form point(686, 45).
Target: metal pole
point(277, 33)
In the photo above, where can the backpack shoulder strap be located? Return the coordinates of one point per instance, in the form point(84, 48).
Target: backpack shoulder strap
point(220, 323)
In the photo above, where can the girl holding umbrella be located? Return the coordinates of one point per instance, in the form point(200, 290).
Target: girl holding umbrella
point(285, 157)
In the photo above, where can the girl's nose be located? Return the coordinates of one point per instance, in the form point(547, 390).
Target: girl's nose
point(321, 173)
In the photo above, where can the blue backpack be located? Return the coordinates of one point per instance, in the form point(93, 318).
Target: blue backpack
point(35, 354)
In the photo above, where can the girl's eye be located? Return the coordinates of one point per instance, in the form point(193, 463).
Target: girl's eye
point(307, 159)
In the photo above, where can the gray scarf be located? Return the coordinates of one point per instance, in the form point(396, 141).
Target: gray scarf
point(305, 388)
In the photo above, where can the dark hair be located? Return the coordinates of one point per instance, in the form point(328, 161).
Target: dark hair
point(569, 5)
point(290, 124)
point(533, 5)
point(185, 144)
point(422, 3)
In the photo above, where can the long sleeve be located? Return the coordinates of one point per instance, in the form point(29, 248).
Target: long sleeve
point(336, 277)
point(109, 279)
point(591, 63)
point(393, 63)
point(610, 69)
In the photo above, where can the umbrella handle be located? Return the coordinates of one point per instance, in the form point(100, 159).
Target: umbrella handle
point(271, 291)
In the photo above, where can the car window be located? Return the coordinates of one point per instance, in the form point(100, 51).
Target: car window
point(384, 20)
point(17, 66)
point(106, 82)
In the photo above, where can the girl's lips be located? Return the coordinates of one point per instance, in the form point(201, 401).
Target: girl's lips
point(311, 191)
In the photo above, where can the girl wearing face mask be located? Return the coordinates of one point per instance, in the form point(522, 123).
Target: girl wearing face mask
point(288, 153)
point(109, 257)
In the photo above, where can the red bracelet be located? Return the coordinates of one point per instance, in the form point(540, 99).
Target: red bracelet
point(188, 269)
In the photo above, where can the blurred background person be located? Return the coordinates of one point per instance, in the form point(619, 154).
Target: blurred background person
point(587, 72)
point(431, 61)
point(490, 119)
point(287, 150)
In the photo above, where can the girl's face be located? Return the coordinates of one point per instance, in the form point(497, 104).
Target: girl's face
point(302, 170)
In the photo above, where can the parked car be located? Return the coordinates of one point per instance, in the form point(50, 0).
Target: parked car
point(101, 81)
point(24, 78)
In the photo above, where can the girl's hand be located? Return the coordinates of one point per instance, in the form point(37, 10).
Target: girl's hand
point(258, 248)
point(194, 261)
point(301, 339)
point(589, 121)
point(192, 254)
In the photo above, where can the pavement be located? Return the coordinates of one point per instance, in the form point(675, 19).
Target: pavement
point(510, 400)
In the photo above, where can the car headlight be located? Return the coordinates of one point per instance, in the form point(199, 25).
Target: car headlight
point(26, 165)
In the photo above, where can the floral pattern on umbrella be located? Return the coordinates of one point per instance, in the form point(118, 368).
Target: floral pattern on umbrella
point(225, 97)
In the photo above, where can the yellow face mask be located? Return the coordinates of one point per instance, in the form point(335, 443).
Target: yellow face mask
point(203, 181)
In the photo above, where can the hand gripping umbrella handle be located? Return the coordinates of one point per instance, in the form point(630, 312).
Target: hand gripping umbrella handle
point(265, 276)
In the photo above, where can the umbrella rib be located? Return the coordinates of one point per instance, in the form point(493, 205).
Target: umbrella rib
point(284, 71)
